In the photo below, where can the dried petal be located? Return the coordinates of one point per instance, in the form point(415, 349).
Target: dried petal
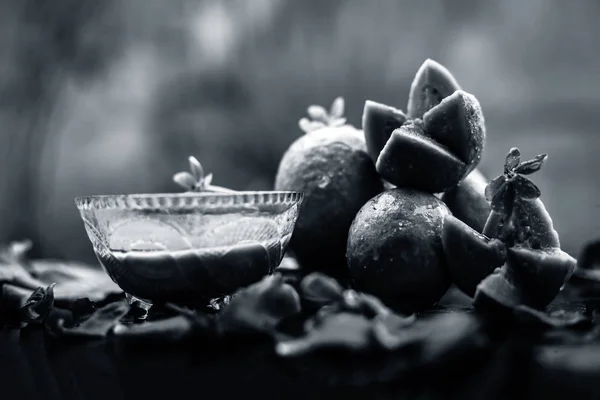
point(196, 168)
point(513, 158)
point(337, 108)
point(318, 113)
point(525, 188)
point(305, 124)
point(185, 180)
point(531, 166)
point(207, 180)
point(494, 187)
point(337, 122)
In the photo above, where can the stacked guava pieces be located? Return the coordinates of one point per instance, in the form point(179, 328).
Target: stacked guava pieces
point(400, 211)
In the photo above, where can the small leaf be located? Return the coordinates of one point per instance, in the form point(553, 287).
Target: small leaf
point(314, 126)
point(526, 189)
point(185, 179)
point(337, 108)
point(531, 166)
point(513, 158)
point(318, 113)
point(207, 180)
point(196, 168)
point(494, 186)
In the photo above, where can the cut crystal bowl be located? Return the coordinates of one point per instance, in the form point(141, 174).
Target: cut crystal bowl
point(189, 248)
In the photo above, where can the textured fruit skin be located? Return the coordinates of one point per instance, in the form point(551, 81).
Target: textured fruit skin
point(467, 200)
point(332, 168)
point(470, 256)
point(395, 249)
point(411, 159)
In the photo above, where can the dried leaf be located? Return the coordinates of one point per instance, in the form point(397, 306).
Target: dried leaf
point(171, 329)
point(513, 158)
point(185, 180)
point(494, 187)
point(259, 307)
point(319, 289)
point(531, 166)
point(526, 189)
point(39, 304)
point(318, 113)
point(343, 330)
point(196, 168)
point(557, 320)
point(337, 108)
point(98, 324)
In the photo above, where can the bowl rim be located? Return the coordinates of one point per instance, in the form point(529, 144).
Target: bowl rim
point(187, 200)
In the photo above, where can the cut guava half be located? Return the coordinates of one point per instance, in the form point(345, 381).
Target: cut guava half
point(378, 122)
point(458, 124)
point(432, 83)
point(411, 159)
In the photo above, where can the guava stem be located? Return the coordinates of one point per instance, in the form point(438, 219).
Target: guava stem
point(491, 227)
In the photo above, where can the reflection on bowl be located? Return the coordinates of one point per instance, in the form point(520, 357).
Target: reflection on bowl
point(192, 247)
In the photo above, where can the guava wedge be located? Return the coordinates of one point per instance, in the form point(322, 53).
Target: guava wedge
point(497, 295)
point(531, 226)
point(411, 159)
point(378, 122)
point(539, 273)
point(458, 124)
point(432, 83)
point(470, 256)
point(467, 200)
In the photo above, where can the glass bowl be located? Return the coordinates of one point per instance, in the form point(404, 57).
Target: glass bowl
point(189, 248)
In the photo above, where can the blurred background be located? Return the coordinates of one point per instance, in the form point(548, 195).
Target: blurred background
point(112, 96)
